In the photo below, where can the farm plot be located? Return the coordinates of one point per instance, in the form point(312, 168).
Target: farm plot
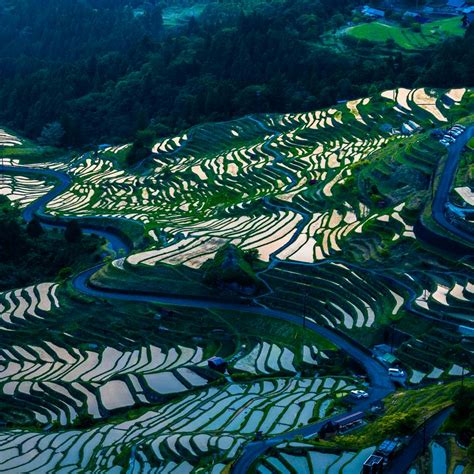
point(265, 358)
point(17, 307)
point(23, 190)
point(301, 458)
point(429, 357)
point(466, 194)
point(446, 296)
point(424, 102)
point(333, 294)
point(115, 149)
point(271, 183)
point(440, 296)
point(186, 431)
point(8, 140)
point(407, 38)
point(56, 383)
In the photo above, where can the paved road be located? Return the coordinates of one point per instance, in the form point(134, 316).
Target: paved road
point(36, 208)
point(441, 198)
point(406, 457)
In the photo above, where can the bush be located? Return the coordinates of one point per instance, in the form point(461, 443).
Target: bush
point(73, 232)
point(34, 228)
point(461, 420)
point(230, 269)
point(400, 424)
point(65, 273)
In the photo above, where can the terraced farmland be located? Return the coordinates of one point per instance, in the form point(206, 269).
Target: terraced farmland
point(55, 377)
point(324, 208)
point(224, 418)
point(290, 459)
point(23, 190)
point(8, 140)
point(271, 183)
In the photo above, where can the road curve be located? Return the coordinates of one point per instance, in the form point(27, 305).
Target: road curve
point(380, 383)
point(116, 240)
point(441, 198)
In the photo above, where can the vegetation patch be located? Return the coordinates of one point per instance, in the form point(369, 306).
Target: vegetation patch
point(417, 37)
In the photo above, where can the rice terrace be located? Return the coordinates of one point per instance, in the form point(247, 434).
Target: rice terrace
point(255, 281)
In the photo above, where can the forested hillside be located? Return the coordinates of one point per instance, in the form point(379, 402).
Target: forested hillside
point(105, 69)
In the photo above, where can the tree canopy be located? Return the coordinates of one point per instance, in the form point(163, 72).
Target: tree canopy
point(106, 69)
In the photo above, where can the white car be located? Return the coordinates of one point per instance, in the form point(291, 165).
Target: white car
point(444, 142)
point(394, 372)
point(359, 394)
point(455, 133)
point(457, 125)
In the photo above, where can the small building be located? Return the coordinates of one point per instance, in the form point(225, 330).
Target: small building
point(467, 19)
point(372, 12)
point(349, 421)
point(217, 363)
point(373, 465)
point(388, 359)
point(387, 449)
point(456, 4)
point(383, 353)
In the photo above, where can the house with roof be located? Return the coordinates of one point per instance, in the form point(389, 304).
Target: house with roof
point(217, 363)
point(409, 14)
point(455, 4)
point(384, 354)
point(467, 16)
point(372, 12)
point(373, 465)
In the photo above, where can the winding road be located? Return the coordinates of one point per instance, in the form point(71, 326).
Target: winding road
point(441, 198)
point(380, 383)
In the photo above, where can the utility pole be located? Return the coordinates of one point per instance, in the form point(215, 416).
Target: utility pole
point(2, 163)
point(432, 179)
point(392, 333)
point(304, 309)
point(424, 435)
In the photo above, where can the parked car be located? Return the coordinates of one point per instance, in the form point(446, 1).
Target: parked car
point(458, 125)
point(444, 142)
point(396, 372)
point(359, 394)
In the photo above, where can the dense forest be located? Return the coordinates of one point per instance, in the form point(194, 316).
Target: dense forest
point(106, 69)
point(30, 255)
